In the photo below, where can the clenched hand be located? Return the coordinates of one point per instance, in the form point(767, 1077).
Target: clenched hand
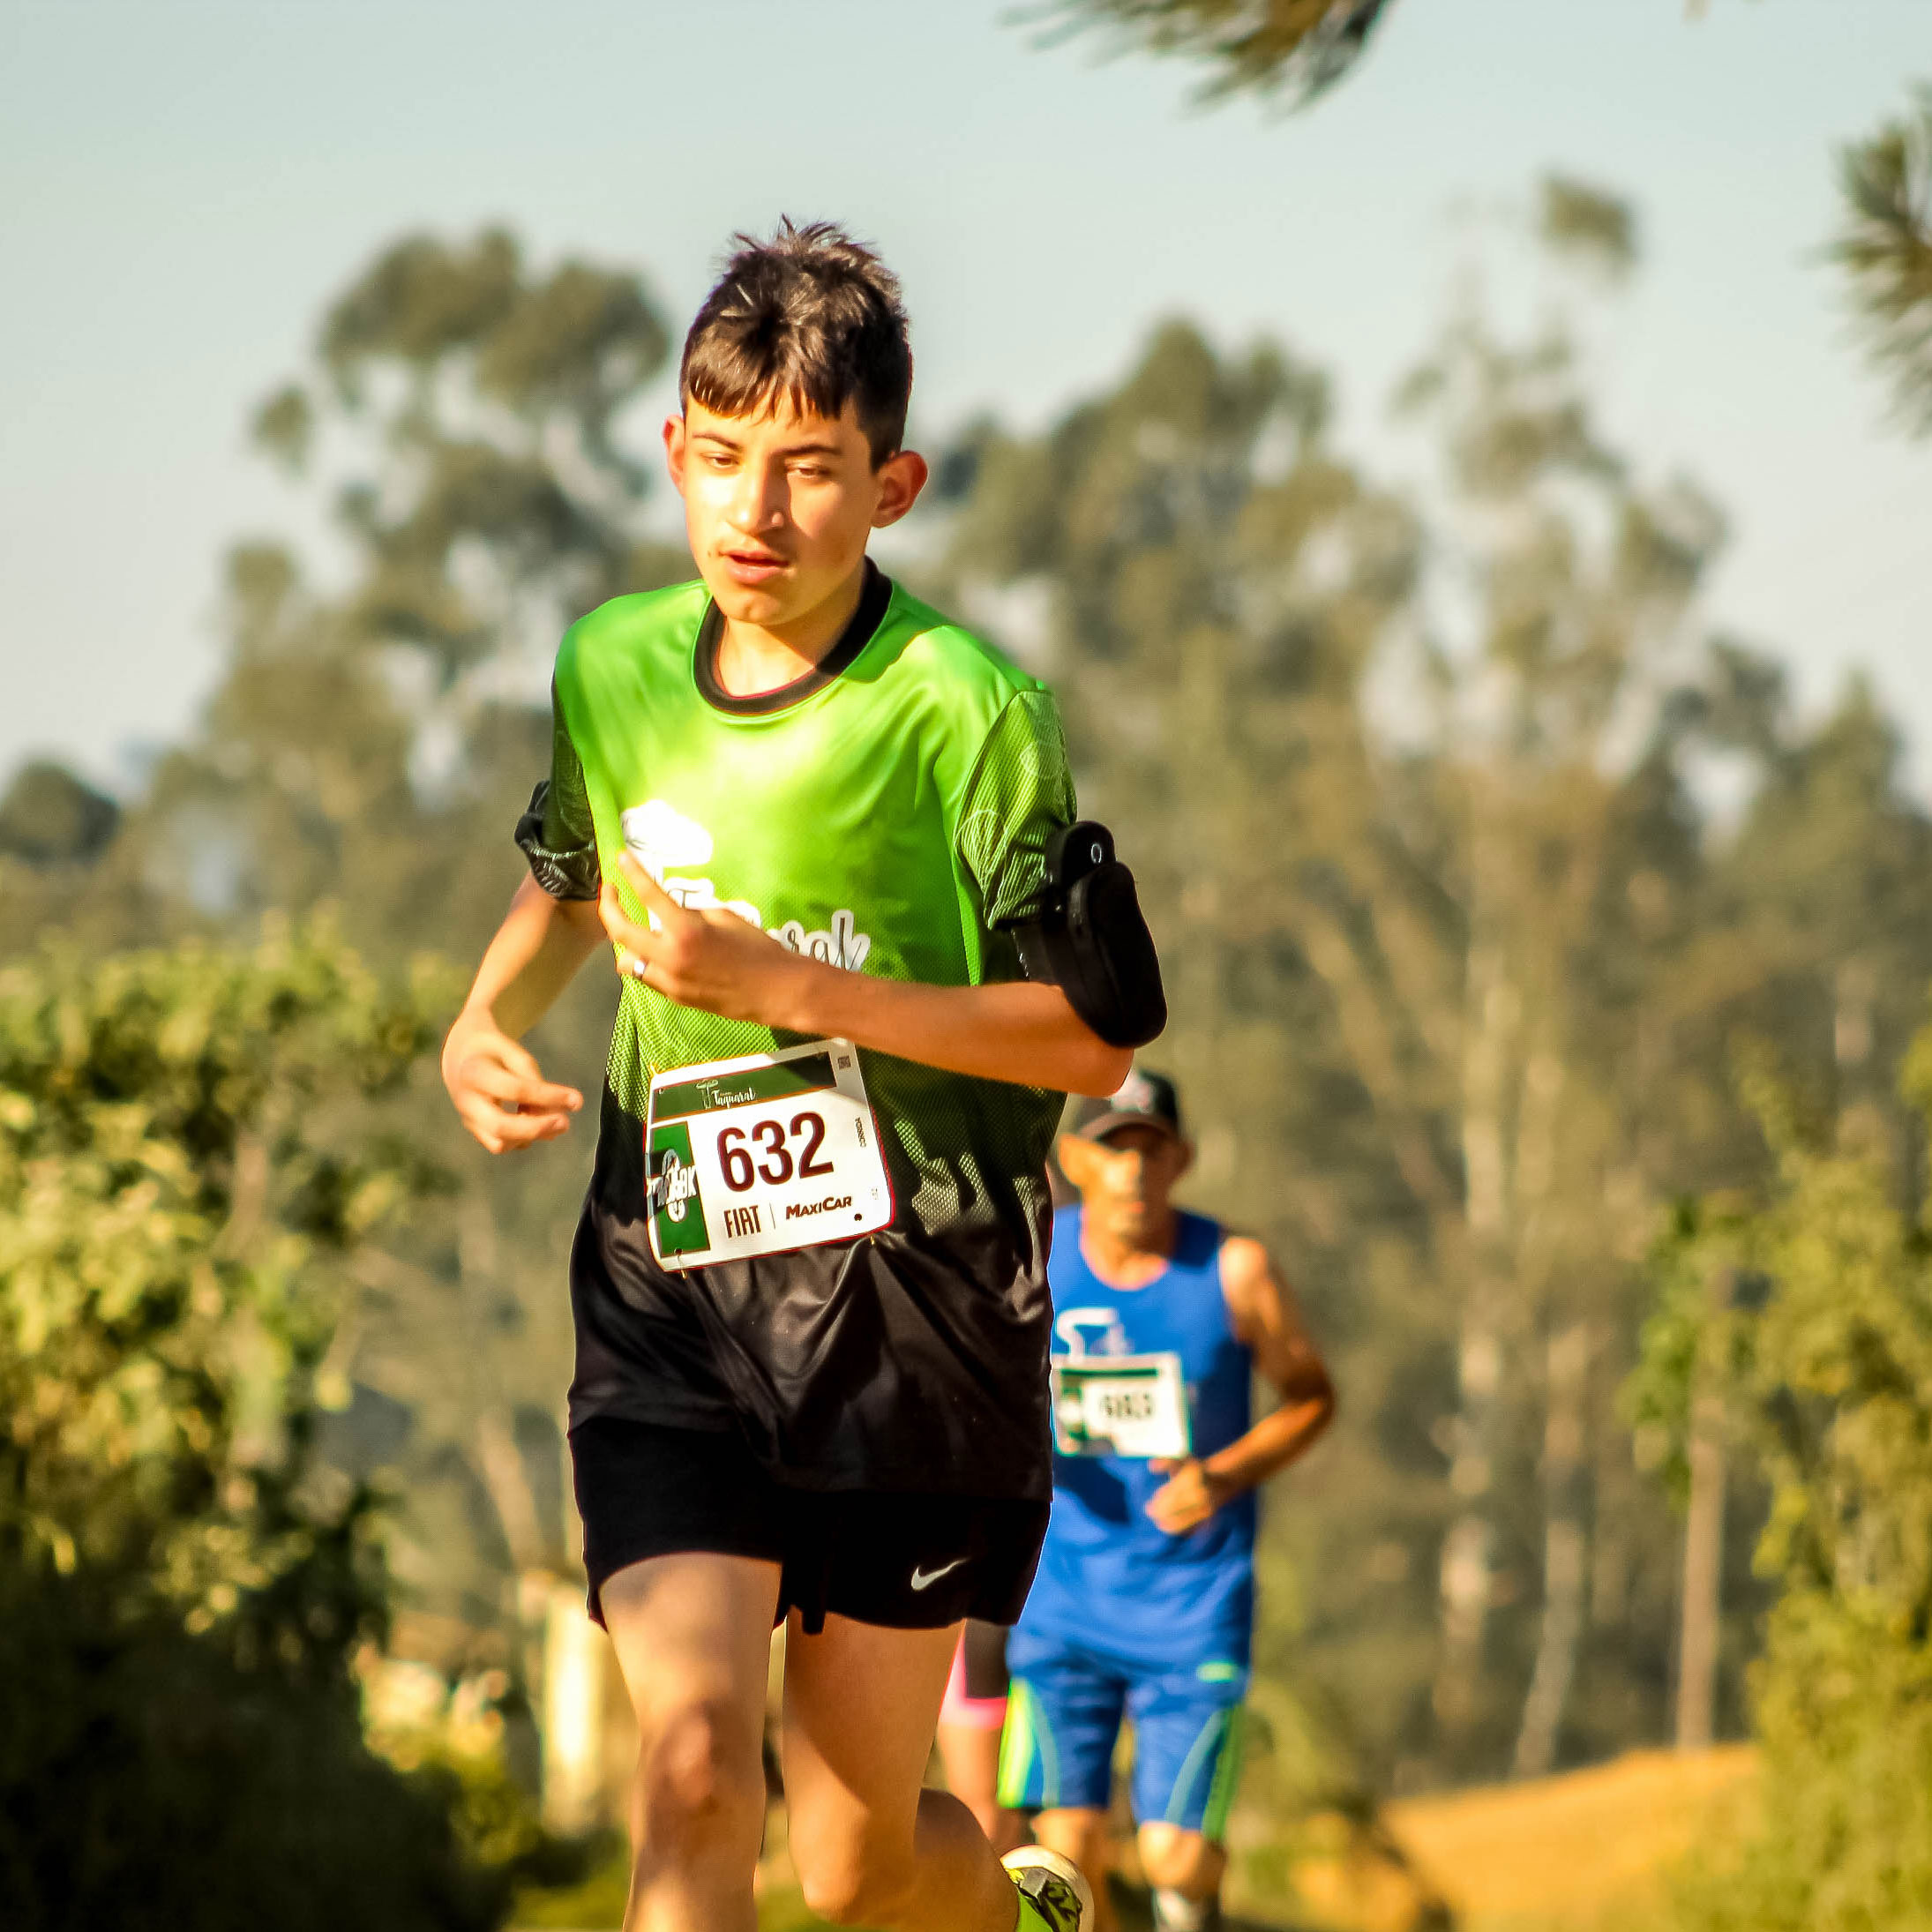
point(1189, 1497)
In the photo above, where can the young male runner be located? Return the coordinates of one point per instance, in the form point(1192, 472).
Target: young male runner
point(808, 1285)
point(1145, 1596)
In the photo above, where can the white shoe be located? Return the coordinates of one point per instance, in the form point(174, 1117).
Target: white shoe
point(1173, 1912)
point(1053, 1886)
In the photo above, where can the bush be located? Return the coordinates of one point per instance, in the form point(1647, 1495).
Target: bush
point(148, 1780)
point(192, 1156)
point(1829, 1380)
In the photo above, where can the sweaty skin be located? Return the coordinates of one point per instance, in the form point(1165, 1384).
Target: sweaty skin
point(1127, 1231)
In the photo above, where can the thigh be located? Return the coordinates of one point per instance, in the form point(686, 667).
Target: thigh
point(861, 1706)
point(1063, 1715)
point(1187, 1738)
point(693, 1634)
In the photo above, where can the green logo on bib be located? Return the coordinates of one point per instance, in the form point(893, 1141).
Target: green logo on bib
point(676, 1202)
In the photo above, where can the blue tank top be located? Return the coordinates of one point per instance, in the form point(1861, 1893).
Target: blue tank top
point(1108, 1579)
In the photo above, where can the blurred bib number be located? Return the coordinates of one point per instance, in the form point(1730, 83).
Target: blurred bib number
point(1122, 1405)
point(763, 1155)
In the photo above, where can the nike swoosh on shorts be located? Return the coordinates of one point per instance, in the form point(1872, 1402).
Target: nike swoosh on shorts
point(921, 1578)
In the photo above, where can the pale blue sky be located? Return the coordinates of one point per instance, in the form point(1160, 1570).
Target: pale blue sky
point(183, 183)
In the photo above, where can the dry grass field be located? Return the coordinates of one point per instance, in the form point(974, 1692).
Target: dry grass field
point(1589, 1851)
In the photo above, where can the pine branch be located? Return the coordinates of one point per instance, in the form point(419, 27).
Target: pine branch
point(1885, 249)
point(1290, 50)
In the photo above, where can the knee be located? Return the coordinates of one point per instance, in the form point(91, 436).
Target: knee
point(1080, 1835)
point(700, 1781)
point(1183, 1861)
point(853, 1884)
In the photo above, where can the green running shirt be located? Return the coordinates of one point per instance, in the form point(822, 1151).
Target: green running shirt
point(889, 813)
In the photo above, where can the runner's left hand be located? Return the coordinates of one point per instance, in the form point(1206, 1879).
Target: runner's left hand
point(702, 956)
point(1189, 1497)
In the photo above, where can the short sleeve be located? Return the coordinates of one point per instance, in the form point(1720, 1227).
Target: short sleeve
point(557, 835)
point(1020, 794)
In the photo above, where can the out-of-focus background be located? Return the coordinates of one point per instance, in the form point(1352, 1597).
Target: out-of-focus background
point(1466, 466)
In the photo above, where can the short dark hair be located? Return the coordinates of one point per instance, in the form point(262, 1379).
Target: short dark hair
point(810, 316)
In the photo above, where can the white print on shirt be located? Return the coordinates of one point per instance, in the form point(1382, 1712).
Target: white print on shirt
point(842, 946)
point(1070, 1324)
point(661, 836)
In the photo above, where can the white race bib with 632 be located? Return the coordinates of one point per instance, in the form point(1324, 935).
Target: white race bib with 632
point(763, 1155)
point(1120, 1405)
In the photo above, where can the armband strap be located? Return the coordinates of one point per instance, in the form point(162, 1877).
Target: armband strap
point(1087, 938)
point(574, 874)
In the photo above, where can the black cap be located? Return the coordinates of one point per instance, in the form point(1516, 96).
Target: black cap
point(1144, 1100)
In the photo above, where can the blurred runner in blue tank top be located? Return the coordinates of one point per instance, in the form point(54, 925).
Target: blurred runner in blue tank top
point(1144, 1604)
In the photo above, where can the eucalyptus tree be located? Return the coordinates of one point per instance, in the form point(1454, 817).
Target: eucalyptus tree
point(1405, 793)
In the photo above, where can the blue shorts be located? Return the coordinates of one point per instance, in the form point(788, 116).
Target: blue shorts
point(1064, 1712)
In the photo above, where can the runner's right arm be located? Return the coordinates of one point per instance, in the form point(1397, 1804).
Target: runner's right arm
point(1262, 1314)
point(494, 1082)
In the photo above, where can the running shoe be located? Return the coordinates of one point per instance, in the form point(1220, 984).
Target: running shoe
point(1173, 1912)
point(1060, 1898)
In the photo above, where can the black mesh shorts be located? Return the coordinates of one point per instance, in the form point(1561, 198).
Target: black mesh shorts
point(900, 1560)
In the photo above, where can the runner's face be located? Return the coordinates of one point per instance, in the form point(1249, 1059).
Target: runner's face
point(778, 507)
point(1126, 1181)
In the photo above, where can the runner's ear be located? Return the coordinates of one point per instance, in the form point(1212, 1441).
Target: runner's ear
point(1076, 1159)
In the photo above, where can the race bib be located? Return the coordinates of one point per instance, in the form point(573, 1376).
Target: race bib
point(1120, 1405)
point(763, 1155)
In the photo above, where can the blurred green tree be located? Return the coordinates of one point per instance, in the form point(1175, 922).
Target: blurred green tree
point(192, 1150)
point(1822, 1362)
point(378, 731)
point(189, 1162)
point(1419, 798)
point(50, 817)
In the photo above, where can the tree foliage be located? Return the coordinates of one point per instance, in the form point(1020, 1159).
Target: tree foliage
point(1416, 792)
point(1470, 853)
point(1884, 248)
point(377, 733)
point(150, 1779)
point(1290, 50)
point(192, 1151)
point(187, 1157)
point(1826, 1370)
point(49, 818)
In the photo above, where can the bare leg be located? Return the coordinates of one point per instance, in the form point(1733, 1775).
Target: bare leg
point(971, 1753)
point(871, 1847)
point(1082, 1835)
point(693, 1636)
point(1183, 1862)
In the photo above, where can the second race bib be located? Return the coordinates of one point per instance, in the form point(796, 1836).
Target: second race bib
point(763, 1155)
point(1120, 1405)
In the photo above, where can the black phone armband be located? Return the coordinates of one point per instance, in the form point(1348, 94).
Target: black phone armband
point(1087, 937)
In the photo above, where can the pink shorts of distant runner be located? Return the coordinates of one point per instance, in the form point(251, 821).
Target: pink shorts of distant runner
point(975, 1693)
